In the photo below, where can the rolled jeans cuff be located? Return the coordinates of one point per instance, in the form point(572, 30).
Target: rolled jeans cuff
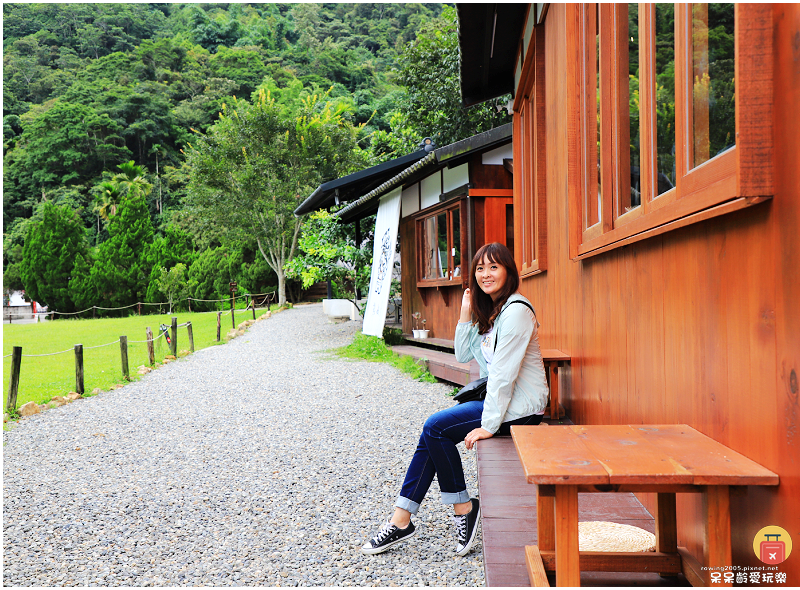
point(455, 497)
point(407, 504)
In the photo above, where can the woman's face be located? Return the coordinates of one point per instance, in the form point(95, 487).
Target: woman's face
point(491, 277)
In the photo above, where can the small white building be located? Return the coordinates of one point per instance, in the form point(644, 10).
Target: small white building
point(17, 308)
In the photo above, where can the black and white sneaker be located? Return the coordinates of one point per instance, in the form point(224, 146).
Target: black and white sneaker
point(467, 527)
point(388, 536)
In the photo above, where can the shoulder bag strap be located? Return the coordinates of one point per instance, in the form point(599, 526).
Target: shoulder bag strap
point(526, 304)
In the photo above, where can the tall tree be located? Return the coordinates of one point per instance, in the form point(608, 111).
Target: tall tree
point(256, 165)
point(120, 274)
point(429, 69)
point(51, 248)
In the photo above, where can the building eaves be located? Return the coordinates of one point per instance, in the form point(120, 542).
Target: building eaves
point(469, 146)
point(450, 155)
point(390, 184)
point(322, 196)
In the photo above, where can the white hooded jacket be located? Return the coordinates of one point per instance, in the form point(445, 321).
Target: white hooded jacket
point(517, 385)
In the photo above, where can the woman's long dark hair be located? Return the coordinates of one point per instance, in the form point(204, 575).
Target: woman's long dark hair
point(484, 309)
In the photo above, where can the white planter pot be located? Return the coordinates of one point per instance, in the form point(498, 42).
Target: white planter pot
point(423, 334)
point(416, 333)
point(339, 308)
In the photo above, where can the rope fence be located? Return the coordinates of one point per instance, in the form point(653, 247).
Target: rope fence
point(169, 333)
point(266, 299)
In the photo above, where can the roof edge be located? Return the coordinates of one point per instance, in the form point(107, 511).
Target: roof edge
point(389, 184)
point(470, 144)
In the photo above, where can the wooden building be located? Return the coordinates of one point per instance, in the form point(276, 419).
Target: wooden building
point(657, 221)
point(454, 199)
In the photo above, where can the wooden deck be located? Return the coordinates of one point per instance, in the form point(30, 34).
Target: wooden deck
point(508, 516)
point(442, 364)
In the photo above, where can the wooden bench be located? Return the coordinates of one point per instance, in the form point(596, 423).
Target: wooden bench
point(443, 365)
point(565, 460)
point(553, 359)
point(508, 519)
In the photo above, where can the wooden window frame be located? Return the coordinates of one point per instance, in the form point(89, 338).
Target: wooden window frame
point(738, 178)
point(419, 230)
point(530, 160)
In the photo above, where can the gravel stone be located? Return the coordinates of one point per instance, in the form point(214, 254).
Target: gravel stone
point(263, 462)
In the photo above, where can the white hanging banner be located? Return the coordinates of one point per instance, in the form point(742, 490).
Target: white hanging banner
point(380, 283)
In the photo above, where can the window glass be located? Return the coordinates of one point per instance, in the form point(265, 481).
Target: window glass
point(441, 226)
point(432, 261)
point(510, 227)
point(634, 198)
point(439, 236)
point(665, 96)
point(713, 85)
point(596, 213)
point(455, 216)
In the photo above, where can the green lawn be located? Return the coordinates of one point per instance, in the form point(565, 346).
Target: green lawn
point(373, 349)
point(43, 377)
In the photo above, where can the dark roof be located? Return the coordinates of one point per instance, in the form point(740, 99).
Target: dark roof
point(488, 35)
point(448, 156)
point(355, 185)
point(458, 152)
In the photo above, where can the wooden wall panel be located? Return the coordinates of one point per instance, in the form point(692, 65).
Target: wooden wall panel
point(408, 276)
point(494, 210)
point(698, 325)
point(781, 235)
point(493, 177)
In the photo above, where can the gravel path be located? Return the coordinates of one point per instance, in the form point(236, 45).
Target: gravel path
point(261, 462)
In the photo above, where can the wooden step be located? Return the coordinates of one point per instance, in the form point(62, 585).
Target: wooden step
point(438, 343)
point(442, 364)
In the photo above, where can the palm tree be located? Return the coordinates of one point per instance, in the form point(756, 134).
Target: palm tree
point(131, 180)
point(107, 201)
point(105, 204)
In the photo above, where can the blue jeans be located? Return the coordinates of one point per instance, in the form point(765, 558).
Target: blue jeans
point(437, 454)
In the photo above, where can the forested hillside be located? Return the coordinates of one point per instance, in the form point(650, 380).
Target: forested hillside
point(102, 103)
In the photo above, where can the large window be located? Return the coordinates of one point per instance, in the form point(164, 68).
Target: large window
point(530, 181)
point(661, 89)
point(439, 246)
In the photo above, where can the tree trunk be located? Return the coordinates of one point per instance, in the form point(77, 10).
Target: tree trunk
point(281, 286)
point(277, 265)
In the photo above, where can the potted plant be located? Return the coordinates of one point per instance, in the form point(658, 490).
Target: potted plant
point(419, 333)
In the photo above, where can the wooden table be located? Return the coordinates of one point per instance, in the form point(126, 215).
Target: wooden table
point(553, 359)
point(565, 460)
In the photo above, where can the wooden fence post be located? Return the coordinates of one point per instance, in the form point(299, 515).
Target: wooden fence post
point(13, 386)
point(253, 301)
point(191, 336)
point(94, 312)
point(79, 368)
point(190, 304)
point(174, 346)
point(123, 349)
point(219, 324)
point(151, 352)
point(139, 305)
point(233, 307)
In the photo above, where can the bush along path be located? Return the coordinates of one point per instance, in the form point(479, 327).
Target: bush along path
point(263, 462)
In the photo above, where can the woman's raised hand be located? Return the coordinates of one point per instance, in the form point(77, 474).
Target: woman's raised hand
point(466, 310)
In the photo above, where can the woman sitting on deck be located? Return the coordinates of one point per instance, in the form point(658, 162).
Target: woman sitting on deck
point(503, 338)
